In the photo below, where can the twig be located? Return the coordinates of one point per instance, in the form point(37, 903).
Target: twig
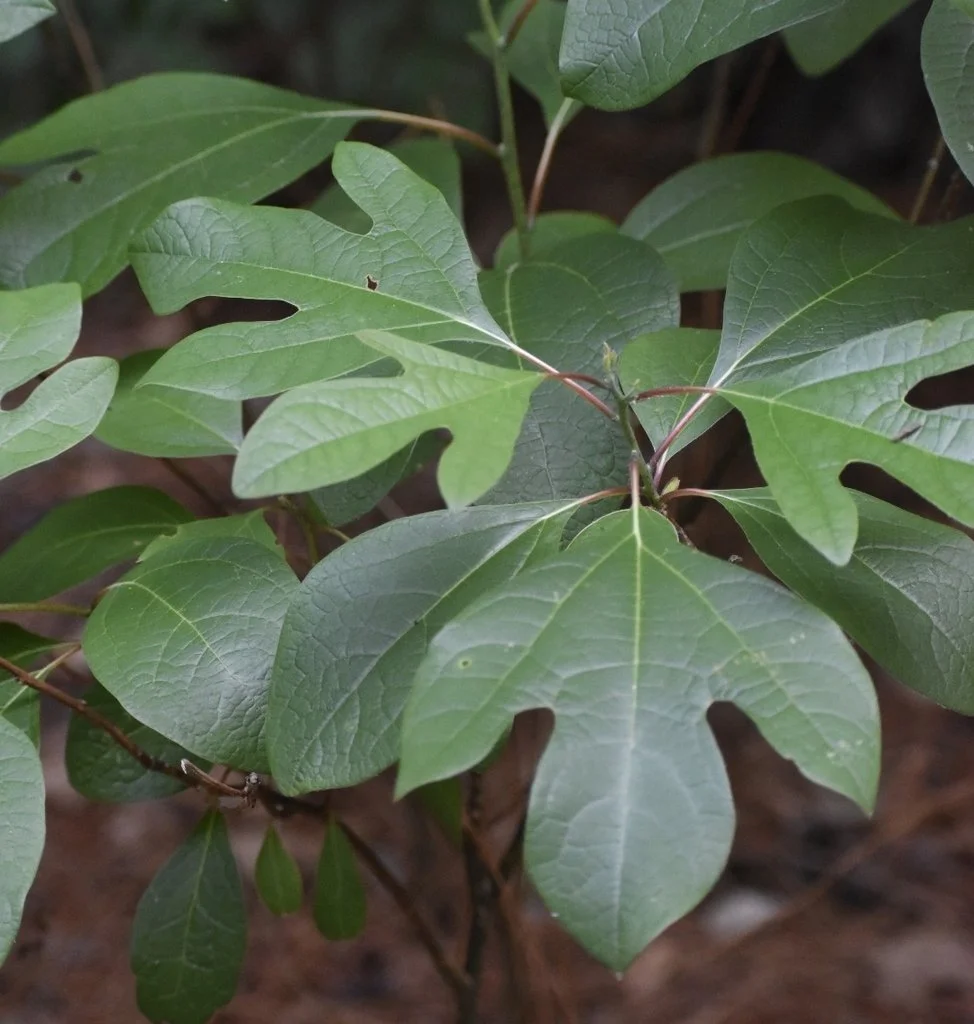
point(566, 379)
point(929, 177)
point(307, 526)
point(189, 481)
point(432, 124)
point(948, 201)
point(518, 22)
point(749, 101)
point(47, 607)
point(82, 44)
point(582, 378)
point(716, 107)
point(555, 129)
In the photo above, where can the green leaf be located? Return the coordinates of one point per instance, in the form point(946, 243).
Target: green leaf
point(359, 624)
point(416, 255)
point(324, 433)
point(550, 231)
point(443, 801)
point(677, 356)
point(532, 59)
point(819, 45)
point(630, 818)
point(164, 422)
point(620, 54)
point(598, 290)
point(20, 704)
point(948, 35)
point(18, 16)
point(695, 218)
point(83, 536)
point(434, 160)
point(250, 525)
point(190, 930)
point(38, 329)
point(152, 142)
point(100, 769)
point(339, 902)
point(185, 642)
point(906, 596)
point(21, 826)
point(277, 876)
point(809, 422)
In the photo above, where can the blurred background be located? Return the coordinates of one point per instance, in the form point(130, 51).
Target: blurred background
point(821, 916)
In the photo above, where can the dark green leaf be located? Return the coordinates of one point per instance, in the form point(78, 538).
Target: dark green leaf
point(358, 627)
point(416, 256)
point(17, 16)
point(83, 536)
point(632, 779)
point(277, 876)
point(21, 826)
point(324, 433)
point(190, 930)
point(20, 704)
point(550, 231)
point(164, 422)
point(443, 801)
point(152, 142)
point(619, 54)
point(185, 642)
point(100, 769)
point(695, 218)
point(339, 906)
point(906, 595)
point(38, 329)
point(948, 35)
point(598, 290)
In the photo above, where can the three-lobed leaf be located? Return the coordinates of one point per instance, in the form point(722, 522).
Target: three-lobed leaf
point(906, 595)
point(277, 876)
point(185, 642)
point(629, 638)
point(324, 433)
point(359, 625)
point(190, 930)
point(149, 143)
point(21, 826)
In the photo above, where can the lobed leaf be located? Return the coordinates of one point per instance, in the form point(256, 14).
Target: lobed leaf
point(632, 778)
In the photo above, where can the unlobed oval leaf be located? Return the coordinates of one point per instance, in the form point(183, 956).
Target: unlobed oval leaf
point(83, 536)
point(339, 899)
point(185, 642)
point(948, 35)
point(277, 876)
point(358, 627)
point(629, 638)
point(21, 826)
point(906, 595)
point(190, 930)
point(250, 525)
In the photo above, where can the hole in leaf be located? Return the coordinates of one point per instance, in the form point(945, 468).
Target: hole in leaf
point(75, 176)
point(943, 391)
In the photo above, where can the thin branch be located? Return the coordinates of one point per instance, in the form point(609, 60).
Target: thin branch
point(716, 107)
point(658, 459)
point(566, 379)
point(672, 389)
point(582, 378)
point(749, 101)
point(555, 129)
point(190, 482)
point(82, 44)
point(687, 492)
point(47, 607)
point(929, 177)
point(433, 124)
point(307, 525)
point(518, 22)
point(948, 201)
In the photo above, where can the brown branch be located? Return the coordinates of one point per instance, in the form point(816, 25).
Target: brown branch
point(555, 129)
point(432, 124)
point(929, 177)
point(518, 22)
point(82, 45)
point(716, 107)
point(749, 101)
point(189, 481)
point(47, 607)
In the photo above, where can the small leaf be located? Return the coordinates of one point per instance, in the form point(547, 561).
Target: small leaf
point(434, 160)
point(277, 876)
point(632, 778)
point(20, 704)
point(617, 56)
point(339, 902)
point(18, 16)
point(250, 525)
point(151, 141)
point(819, 45)
point(416, 255)
point(21, 826)
point(324, 433)
point(83, 536)
point(190, 930)
point(443, 801)
point(185, 642)
point(550, 231)
point(358, 627)
point(695, 218)
point(165, 423)
point(38, 329)
point(676, 356)
point(948, 35)
point(100, 769)
point(906, 595)
point(809, 422)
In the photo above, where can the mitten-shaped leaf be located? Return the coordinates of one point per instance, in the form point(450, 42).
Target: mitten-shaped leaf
point(629, 638)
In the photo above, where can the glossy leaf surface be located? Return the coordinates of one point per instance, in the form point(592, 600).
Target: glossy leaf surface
point(185, 642)
point(151, 142)
point(359, 625)
point(190, 930)
point(632, 778)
